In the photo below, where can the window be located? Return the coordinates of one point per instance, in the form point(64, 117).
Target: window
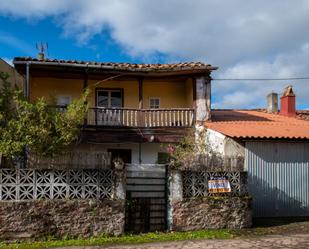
point(109, 98)
point(154, 103)
point(64, 100)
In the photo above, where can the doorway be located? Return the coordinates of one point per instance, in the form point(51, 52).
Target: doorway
point(124, 154)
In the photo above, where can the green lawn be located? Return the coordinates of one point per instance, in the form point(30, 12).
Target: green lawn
point(126, 239)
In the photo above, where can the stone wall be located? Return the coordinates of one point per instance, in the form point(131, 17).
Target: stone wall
point(59, 218)
point(211, 212)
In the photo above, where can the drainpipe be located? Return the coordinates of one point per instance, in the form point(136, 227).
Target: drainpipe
point(26, 87)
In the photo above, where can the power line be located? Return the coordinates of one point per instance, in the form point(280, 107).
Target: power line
point(264, 79)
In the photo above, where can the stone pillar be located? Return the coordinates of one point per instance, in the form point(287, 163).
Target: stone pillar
point(203, 99)
point(120, 188)
point(175, 194)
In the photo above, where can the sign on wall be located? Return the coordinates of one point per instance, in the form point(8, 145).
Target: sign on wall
point(219, 184)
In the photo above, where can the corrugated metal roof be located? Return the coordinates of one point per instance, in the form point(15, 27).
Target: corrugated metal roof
point(184, 66)
point(254, 124)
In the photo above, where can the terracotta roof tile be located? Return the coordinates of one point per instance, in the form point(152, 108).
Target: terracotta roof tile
point(256, 125)
point(128, 66)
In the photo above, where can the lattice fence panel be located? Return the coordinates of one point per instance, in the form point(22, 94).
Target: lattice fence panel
point(195, 183)
point(30, 184)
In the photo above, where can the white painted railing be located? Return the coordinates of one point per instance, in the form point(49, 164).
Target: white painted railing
point(177, 117)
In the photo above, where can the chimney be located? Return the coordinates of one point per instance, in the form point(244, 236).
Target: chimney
point(272, 102)
point(288, 103)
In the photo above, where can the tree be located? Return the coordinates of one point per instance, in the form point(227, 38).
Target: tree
point(190, 152)
point(35, 126)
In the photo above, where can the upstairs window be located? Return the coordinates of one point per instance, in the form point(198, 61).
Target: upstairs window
point(109, 98)
point(154, 103)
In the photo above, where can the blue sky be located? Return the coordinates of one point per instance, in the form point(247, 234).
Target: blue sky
point(260, 39)
point(19, 37)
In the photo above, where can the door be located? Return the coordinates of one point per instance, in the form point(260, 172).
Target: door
point(110, 102)
point(278, 178)
point(124, 154)
point(146, 198)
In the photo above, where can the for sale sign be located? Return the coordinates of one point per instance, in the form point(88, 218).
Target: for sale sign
point(219, 185)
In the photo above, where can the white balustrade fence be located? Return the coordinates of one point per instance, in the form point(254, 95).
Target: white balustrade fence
point(29, 184)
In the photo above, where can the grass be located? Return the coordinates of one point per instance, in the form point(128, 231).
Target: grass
point(125, 239)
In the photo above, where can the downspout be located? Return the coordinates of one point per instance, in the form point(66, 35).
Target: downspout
point(27, 83)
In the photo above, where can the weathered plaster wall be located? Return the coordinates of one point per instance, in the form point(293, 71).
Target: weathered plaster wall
point(231, 151)
point(224, 145)
point(72, 218)
point(211, 212)
point(149, 151)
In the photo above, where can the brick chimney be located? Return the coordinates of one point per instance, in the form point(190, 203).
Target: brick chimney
point(288, 103)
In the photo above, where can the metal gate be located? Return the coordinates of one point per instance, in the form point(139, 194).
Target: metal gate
point(146, 201)
point(278, 178)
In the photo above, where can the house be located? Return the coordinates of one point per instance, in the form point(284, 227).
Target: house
point(133, 107)
point(15, 78)
point(275, 148)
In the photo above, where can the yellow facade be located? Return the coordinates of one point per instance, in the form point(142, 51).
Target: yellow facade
point(130, 91)
point(172, 94)
point(50, 88)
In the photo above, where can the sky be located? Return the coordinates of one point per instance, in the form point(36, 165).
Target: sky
point(245, 39)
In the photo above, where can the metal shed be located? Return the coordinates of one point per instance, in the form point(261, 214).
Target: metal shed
point(278, 177)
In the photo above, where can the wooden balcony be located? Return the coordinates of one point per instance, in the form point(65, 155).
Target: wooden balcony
point(130, 117)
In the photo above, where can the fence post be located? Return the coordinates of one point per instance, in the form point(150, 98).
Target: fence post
point(120, 185)
point(175, 186)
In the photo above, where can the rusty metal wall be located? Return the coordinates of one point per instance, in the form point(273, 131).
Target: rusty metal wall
point(278, 178)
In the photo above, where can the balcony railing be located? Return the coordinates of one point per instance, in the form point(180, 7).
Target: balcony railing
point(176, 117)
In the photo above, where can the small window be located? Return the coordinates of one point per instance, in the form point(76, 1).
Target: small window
point(64, 100)
point(154, 103)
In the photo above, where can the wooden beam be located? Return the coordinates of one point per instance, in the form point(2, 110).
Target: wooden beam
point(85, 85)
point(85, 82)
point(194, 92)
point(140, 94)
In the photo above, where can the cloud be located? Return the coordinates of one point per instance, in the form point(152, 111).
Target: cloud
point(252, 94)
point(244, 38)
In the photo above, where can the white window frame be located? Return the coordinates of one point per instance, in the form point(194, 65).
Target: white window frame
point(154, 99)
point(109, 91)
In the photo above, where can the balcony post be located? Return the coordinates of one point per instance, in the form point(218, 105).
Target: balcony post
point(85, 85)
point(140, 101)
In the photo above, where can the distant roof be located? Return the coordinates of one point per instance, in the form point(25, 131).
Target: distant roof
point(132, 67)
point(255, 124)
point(304, 114)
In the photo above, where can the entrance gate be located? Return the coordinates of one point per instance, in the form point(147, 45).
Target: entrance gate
point(146, 201)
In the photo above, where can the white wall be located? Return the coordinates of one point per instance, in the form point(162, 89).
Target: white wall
point(149, 151)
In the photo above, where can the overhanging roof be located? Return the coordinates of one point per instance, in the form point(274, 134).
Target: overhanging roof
point(192, 67)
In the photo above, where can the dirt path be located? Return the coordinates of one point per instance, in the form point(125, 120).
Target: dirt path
point(299, 241)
